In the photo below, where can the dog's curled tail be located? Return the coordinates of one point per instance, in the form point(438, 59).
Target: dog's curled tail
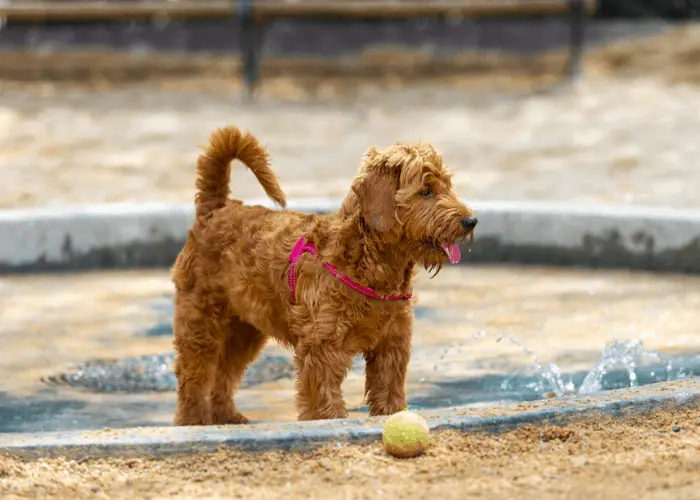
point(214, 169)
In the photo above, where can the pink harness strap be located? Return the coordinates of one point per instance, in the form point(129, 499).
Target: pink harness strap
point(304, 246)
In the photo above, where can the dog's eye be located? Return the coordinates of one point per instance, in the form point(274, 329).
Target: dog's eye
point(425, 192)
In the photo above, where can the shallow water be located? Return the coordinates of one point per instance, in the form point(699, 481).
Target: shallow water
point(53, 324)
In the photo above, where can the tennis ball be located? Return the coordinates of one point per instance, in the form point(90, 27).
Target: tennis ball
point(405, 434)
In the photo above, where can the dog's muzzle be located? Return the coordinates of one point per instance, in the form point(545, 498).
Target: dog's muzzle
point(469, 223)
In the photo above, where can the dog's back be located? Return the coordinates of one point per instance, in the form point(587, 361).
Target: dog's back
point(229, 240)
point(218, 216)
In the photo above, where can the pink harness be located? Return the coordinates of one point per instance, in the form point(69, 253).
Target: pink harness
point(304, 246)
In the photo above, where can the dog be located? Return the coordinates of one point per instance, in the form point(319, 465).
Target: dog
point(329, 286)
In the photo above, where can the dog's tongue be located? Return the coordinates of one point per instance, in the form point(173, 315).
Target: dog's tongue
point(453, 252)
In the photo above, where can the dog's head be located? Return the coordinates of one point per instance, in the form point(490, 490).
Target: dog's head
point(404, 195)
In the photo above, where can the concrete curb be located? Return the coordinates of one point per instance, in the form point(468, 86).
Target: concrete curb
point(151, 235)
point(160, 441)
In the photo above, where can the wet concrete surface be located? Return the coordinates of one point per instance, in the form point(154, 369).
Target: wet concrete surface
point(51, 324)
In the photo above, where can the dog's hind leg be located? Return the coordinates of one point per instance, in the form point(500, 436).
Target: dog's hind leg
point(242, 345)
point(197, 343)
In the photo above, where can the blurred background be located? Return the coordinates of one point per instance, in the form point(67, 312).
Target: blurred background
point(109, 101)
point(538, 100)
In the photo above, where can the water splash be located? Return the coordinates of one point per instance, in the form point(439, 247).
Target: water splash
point(550, 374)
point(626, 355)
point(547, 378)
point(551, 379)
point(154, 373)
point(459, 345)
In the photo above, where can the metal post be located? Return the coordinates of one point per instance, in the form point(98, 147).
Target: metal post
point(576, 36)
point(251, 45)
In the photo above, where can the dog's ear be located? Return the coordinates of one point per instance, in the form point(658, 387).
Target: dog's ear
point(376, 193)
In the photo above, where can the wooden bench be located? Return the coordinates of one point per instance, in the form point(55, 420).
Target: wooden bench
point(254, 15)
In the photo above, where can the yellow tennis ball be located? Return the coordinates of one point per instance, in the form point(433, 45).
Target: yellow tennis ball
point(405, 434)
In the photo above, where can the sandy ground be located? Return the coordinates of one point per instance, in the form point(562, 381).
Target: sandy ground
point(625, 134)
point(647, 457)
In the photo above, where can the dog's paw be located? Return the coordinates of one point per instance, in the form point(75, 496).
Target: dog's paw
point(227, 416)
point(380, 410)
point(236, 419)
point(182, 420)
point(325, 414)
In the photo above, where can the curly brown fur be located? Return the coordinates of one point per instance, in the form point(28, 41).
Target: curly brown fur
point(214, 169)
point(232, 292)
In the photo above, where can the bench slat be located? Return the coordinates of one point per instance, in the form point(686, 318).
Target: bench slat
point(272, 9)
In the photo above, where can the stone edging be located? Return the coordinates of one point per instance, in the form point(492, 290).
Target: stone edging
point(150, 235)
point(160, 441)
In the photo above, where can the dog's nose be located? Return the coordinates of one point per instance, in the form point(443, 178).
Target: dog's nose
point(469, 223)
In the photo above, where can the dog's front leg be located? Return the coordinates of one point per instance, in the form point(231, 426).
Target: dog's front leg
point(386, 368)
point(322, 365)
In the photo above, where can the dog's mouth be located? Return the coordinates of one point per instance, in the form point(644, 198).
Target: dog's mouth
point(454, 254)
point(452, 250)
